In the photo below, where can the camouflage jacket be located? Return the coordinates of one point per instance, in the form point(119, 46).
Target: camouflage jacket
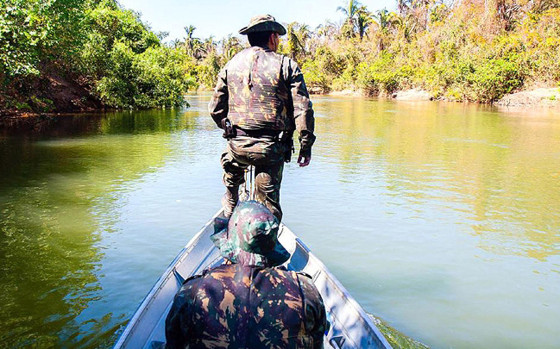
point(236, 306)
point(259, 89)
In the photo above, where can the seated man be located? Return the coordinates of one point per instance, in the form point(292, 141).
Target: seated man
point(251, 301)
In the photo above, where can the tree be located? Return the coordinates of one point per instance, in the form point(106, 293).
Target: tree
point(506, 13)
point(298, 35)
point(230, 47)
point(350, 10)
point(363, 20)
point(192, 44)
point(385, 20)
point(209, 45)
point(327, 30)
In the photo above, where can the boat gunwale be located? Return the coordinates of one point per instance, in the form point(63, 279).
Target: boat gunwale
point(149, 298)
point(349, 299)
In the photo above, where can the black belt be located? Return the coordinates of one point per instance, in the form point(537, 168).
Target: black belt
point(256, 133)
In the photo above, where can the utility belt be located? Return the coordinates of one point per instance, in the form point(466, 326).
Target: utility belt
point(232, 131)
point(284, 137)
point(256, 133)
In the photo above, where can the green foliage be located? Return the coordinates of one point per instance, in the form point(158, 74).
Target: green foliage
point(17, 53)
point(43, 105)
point(382, 76)
point(31, 30)
point(321, 70)
point(491, 79)
point(461, 53)
point(464, 52)
point(207, 71)
point(154, 78)
point(93, 43)
point(129, 67)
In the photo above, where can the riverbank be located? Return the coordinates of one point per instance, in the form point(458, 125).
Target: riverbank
point(536, 98)
point(540, 97)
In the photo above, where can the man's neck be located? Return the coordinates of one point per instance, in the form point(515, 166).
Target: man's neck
point(264, 47)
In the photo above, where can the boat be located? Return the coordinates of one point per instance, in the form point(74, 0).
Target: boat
point(350, 325)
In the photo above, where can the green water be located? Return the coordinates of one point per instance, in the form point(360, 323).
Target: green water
point(441, 219)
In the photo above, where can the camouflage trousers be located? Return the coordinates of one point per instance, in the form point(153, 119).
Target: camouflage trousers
point(267, 156)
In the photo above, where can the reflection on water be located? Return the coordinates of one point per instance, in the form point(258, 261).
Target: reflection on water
point(499, 169)
point(60, 190)
point(428, 213)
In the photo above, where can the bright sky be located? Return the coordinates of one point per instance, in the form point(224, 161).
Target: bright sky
point(222, 17)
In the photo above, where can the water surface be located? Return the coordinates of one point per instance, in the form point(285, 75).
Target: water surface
point(442, 219)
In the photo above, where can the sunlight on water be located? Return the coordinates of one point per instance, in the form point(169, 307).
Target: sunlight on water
point(442, 219)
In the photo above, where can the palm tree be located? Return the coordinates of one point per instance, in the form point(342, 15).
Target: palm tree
point(175, 43)
point(350, 11)
point(189, 39)
point(194, 47)
point(363, 20)
point(385, 20)
point(406, 26)
point(209, 45)
point(304, 34)
point(192, 44)
point(230, 47)
point(298, 35)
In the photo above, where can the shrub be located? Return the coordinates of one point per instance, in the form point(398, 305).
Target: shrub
point(155, 78)
point(493, 78)
point(383, 76)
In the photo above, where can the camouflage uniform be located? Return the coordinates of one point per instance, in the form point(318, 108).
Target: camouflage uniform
point(239, 306)
point(262, 94)
point(252, 303)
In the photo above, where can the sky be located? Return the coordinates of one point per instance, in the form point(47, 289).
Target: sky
point(219, 18)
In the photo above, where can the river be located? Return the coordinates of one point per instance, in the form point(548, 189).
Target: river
point(442, 219)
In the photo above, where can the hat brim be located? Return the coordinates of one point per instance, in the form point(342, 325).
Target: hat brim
point(262, 27)
point(230, 249)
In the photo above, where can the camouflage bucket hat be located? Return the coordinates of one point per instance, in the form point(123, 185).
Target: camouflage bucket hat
point(250, 237)
point(263, 23)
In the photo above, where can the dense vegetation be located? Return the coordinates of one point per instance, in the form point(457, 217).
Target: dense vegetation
point(81, 54)
point(93, 53)
point(466, 50)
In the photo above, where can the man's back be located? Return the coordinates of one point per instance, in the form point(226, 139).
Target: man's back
point(259, 96)
point(237, 306)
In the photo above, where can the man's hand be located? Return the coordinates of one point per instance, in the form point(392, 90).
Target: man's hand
point(304, 159)
point(306, 140)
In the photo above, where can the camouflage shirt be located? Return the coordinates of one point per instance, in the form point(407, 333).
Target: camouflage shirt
point(238, 306)
point(259, 89)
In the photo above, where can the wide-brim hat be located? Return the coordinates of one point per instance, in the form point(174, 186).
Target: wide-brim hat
point(263, 23)
point(250, 236)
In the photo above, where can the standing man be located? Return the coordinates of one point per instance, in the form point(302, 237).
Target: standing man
point(259, 99)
